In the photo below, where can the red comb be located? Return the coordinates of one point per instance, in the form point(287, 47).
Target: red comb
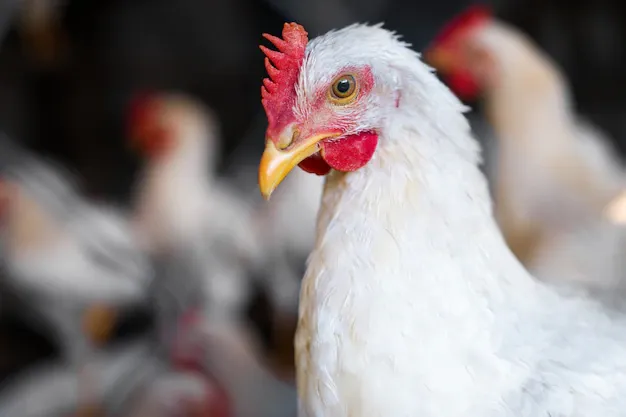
point(144, 127)
point(283, 67)
point(472, 17)
point(139, 105)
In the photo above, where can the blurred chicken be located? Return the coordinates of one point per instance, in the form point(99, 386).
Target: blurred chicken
point(255, 392)
point(180, 204)
point(556, 174)
point(70, 267)
point(206, 244)
point(224, 351)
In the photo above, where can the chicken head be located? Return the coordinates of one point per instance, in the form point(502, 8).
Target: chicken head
point(147, 132)
point(466, 63)
point(325, 110)
point(161, 125)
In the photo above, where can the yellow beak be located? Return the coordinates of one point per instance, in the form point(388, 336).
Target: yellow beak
point(276, 164)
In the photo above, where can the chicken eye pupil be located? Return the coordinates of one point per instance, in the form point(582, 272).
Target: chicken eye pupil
point(343, 89)
point(343, 86)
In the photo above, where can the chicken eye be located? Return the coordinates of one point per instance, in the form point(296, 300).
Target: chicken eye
point(344, 89)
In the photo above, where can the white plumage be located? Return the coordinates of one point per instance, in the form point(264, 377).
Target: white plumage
point(412, 304)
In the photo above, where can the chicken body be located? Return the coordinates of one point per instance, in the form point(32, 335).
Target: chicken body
point(412, 304)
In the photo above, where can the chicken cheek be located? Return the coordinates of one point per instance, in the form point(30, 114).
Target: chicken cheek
point(351, 152)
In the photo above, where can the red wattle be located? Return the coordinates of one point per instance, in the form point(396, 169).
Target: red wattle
point(351, 152)
point(315, 165)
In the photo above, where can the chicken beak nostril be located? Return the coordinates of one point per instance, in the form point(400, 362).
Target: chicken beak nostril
point(289, 137)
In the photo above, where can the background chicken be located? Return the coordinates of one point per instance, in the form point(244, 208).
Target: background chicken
point(72, 257)
point(179, 202)
point(555, 173)
point(206, 243)
point(226, 351)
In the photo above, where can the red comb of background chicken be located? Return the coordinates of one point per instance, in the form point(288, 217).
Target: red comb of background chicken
point(443, 50)
point(139, 107)
point(145, 130)
point(469, 19)
point(463, 84)
point(283, 66)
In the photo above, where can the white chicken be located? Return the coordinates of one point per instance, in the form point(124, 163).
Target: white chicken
point(556, 174)
point(69, 265)
point(180, 203)
point(412, 304)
